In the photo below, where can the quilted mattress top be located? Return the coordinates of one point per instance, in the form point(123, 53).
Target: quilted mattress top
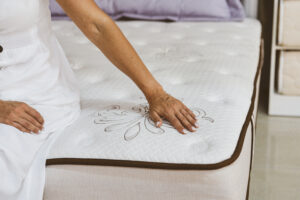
point(211, 67)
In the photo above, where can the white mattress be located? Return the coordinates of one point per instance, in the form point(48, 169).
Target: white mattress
point(211, 67)
point(113, 150)
point(289, 73)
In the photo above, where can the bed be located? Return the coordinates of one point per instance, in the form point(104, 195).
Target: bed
point(114, 151)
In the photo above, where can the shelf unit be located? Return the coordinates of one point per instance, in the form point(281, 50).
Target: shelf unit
point(282, 105)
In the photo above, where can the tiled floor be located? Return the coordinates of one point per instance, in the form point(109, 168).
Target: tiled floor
point(276, 169)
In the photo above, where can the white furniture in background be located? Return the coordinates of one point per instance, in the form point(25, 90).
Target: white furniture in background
point(285, 45)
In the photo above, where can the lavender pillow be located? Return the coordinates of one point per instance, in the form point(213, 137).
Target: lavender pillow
point(175, 10)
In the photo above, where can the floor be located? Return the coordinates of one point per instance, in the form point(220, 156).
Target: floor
point(276, 168)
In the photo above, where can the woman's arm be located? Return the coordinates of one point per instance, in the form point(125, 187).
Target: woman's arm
point(106, 35)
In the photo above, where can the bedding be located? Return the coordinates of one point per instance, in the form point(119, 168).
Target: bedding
point(289, 73)
point(175, 10)
point(211, 67)
point(289, 23)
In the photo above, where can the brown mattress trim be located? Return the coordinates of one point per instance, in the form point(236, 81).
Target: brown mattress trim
point(253, 127)
point(251, 159)
point(174, 166)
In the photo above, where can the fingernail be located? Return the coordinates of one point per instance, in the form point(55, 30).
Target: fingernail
point(185, 131)
point(194, 129)
point(197, 124)
point(157, 124)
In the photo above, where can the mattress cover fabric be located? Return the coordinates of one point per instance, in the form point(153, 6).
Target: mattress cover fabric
point(211, 67)
point(289, 23)
point(289, 73)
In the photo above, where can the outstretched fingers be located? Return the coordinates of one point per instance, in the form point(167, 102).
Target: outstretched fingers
point(185, 122)
point(171, 117)
point(190, 118)
point(156, 118)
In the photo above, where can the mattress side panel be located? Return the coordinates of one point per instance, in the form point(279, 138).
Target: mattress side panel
point(144, 183)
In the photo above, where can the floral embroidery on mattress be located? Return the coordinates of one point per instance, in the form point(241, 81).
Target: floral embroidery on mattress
point(131, 122)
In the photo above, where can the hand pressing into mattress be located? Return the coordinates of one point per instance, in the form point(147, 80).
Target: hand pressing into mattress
point(107, 36)
point(163, 105)
point(21, 116)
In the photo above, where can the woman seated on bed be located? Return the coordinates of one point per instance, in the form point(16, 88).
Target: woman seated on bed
point(38, 92)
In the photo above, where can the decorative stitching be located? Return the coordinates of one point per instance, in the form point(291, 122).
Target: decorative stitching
point(2, 68)
point(132, 121)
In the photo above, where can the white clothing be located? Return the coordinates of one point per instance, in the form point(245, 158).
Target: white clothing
point(34, 70)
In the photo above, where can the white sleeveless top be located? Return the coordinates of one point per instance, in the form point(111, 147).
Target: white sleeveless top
point(33, 66)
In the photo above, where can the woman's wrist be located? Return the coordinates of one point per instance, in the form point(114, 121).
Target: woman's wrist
point(152, 90)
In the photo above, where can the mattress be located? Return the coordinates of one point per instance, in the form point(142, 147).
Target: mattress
point(289, 23)
point(289, 73)
point(211, 67)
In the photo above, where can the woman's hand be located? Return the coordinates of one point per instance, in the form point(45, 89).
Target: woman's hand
point(163, 105)
point(21, 116)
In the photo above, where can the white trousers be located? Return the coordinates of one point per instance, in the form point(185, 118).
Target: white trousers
point(22, 163)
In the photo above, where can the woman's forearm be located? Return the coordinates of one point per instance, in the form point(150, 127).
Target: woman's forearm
point(107, 36)
point(120, 52)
